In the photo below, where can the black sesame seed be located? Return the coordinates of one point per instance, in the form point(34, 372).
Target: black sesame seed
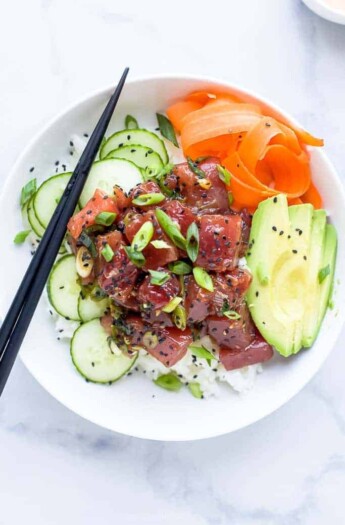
point(275, 200)
point(274, 228)
point(294, 251)
point(32, 169)
point(281, 232)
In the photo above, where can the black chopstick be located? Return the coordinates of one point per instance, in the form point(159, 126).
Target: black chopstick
point(17, 320)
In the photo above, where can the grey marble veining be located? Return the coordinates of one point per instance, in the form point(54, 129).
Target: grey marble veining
point(55, 467)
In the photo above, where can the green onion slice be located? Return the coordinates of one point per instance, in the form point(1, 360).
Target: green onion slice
point(160, 245)
point(137, 258)
point(230, 198)
point(180, 268)
point(88, 243)
point(193, 166)
point(159, 278)
point(21, 236)
point(201, 352)
point(27, 191)
point(107, 253)
point(193, 242)
point(203, 279)
point(224, 174)
point(324, 272)
point(131, 122)
point(143, 237)
point(169, 382)
point(170, 307)
point(148, 199)
point(171, 229)
point(105, 218)
point(180, 317)
point(195, 390)
point(166, 128)
point(231, 314)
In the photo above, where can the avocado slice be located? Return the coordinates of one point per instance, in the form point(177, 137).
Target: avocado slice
point(287, 248)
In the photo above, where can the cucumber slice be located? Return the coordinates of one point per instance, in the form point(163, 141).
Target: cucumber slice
point(33, 221)
point(105, 174)
point(127, 137)
point(47, 197)
point(92, 356)
point(142, 156)
point(89, 309)
point(63, 288)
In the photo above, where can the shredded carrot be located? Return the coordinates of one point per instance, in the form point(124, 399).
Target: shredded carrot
point(265, 153)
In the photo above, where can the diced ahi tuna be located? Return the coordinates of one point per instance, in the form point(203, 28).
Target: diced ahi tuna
point(143, 189)
point(155, 297)
point(236, 334)
point(257, 351)
point(179, 213)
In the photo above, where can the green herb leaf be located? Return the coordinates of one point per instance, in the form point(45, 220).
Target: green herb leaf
point(193, 166)
point(107, 253)
point(131, 122)
point(179, 317)
point(170, 307)
point(171, 229)
point(137, 258)
point(195, 390)
point(203, 279)
point(105, 218)
point(159, 278)
point(21, 236)
point(193, 241)
point(88, 243)
point(230, 198)
point(231, 314)
point(142, 237)
point(201, 352)
point(147, 199)
point(324, 272)
point(180, 268)
point(169, 382)
point(160, 245)
point(166, 128)
point(27, 191)
point(224, 174)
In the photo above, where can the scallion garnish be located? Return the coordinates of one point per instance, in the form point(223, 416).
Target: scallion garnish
point(131, 122)
point(27, 191)
point(147, 199)
point(137, 258)
point(203, 279)
point(201, 352)
point(169, 382)
point(166, 128)
point(21, 236)
point(180, 268)
point(195, 390)
point(230, 198)
point(192, 242)
point(170, 307)
point(105, 218)
point(193, 166)
point(143, 236)
point(107, 253)
point(231, 314)
point(88, 243)
point(160, 245)
point(224, 174)
point(171, 229)
point(159, 278)
point(324, 272)
point(179, 317)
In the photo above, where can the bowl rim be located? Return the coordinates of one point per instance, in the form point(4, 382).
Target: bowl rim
point(325, 11)
point(180, 77)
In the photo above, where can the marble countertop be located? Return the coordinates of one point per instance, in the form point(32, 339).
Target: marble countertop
point(288, 469)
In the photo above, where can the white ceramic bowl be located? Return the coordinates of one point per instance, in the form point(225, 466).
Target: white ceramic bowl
point(129, 406)
point(326, 11)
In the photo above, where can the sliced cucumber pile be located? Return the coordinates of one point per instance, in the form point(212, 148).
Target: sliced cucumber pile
point(89, 309)
point(33, 221)
point(47, 197)
point(64, 289)
point(142, 156)
point(129, 137)
point(94, 356)
point(106, 173)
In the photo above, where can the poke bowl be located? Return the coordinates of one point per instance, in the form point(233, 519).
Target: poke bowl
point(199, 286)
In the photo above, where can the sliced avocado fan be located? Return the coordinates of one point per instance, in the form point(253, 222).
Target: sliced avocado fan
point(290, 247)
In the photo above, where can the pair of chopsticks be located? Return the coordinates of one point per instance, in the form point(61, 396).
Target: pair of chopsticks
point(24, 304)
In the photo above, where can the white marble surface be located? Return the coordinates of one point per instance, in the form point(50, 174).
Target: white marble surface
point(57, 468)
